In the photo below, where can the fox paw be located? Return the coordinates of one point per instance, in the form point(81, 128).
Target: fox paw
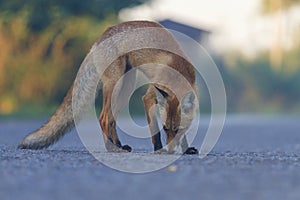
point(161, 151)
point(117, 148)
point(191, 150)
point(126, 148)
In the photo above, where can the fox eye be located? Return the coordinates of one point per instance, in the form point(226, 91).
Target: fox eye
point(166, 128)
point(175, 128)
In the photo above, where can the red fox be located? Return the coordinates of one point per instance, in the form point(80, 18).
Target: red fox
point(177, 112)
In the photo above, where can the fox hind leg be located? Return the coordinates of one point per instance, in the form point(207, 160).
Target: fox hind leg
point(108, 125)
point(107, 117)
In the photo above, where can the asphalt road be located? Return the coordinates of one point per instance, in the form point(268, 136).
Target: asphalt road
point(257, 157)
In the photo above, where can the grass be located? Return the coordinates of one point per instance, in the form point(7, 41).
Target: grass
point(31, 111)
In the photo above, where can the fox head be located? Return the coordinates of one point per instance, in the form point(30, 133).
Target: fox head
point(177, 115)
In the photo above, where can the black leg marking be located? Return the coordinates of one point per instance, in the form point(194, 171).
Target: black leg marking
point(191, 150)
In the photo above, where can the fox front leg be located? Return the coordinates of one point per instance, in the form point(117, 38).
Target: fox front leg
point(185, 147)
point(149, 100)
point(176, 141)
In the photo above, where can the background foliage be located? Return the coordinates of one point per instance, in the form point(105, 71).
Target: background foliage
point(44, 42)
point(42, 45)
point(255, 85)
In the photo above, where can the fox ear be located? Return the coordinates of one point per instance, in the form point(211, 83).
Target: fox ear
point(161, 97)
point(163, 93)
point(188, 102)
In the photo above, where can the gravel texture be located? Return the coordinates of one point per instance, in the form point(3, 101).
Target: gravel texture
point(257, 157)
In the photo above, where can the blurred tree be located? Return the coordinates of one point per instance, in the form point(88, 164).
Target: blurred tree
point(276, 7)
point(43, 12)
point(254, 86)
point(43, 43)
point(270, 6)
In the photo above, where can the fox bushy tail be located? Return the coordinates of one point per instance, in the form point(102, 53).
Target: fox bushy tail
point(83, 92)
point(59, 124)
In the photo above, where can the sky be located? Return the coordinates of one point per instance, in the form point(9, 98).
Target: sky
point(235, 24)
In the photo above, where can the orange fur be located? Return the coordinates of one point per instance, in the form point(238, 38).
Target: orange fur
point(63, 120)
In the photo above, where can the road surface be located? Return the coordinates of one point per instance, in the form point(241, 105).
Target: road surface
point(256, 157)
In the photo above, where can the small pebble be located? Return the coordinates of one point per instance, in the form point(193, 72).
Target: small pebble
point(172, 168)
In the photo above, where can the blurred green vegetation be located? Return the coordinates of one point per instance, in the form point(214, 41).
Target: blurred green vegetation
point(255, 85)
point(44, 42)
